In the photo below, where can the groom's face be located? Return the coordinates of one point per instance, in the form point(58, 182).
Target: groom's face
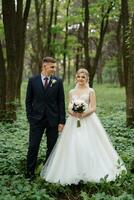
point(49, 68)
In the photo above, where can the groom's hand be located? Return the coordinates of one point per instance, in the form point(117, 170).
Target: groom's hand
point(60, 127)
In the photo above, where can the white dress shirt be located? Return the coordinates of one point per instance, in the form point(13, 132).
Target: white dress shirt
point(43, 79)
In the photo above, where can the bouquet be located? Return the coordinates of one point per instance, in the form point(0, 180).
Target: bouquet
point(79, 106)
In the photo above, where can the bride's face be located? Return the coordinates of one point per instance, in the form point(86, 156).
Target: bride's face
point(81, 79)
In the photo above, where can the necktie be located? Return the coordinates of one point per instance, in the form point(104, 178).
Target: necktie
point(45, 82)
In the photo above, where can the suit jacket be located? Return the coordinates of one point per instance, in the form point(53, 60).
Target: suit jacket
point(48, 103)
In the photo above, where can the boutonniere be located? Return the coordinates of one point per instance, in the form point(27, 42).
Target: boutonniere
point(53, 81)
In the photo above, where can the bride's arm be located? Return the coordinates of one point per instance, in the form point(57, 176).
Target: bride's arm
point(92, 105)
point(69, 110)
point(70, 106)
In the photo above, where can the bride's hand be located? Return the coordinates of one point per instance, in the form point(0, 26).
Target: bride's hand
point(74, 114)
point(77, 115)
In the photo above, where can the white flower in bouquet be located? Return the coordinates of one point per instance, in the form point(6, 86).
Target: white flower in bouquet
point(79, 106)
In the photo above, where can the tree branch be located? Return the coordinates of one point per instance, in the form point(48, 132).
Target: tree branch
point(26, 12)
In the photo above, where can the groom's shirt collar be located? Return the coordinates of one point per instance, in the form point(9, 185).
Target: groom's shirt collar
point(43, 77)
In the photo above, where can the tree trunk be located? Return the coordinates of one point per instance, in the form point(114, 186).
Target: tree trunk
point(15, 27)
point(125, 22)
point(69, 72)
point(55, 23)
point(128, 59)
point(38, 31)
point(130, 86)
point(99, 71)
point(65, 42)
point(77, 58)
point(78, 63)
point(20, 42)
point(86, 44)
point(49, 35)
point(103, 29)
point(39, 48)
point(2, 85)
point(8, 9)
point(119, 55)
point(44, 27)
point(104, 24)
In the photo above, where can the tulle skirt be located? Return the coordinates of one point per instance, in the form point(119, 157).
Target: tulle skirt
point(82, 153)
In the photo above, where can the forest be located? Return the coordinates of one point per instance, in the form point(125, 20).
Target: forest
point(97, 35)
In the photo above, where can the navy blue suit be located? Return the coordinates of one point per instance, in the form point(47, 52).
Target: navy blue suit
point(45, 109)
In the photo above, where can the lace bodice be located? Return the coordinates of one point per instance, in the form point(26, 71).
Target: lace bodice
point(83, 97)
point(74, 97)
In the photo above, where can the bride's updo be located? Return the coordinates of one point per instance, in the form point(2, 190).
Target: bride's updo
point(83, 71)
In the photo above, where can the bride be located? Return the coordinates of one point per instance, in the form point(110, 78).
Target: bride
point(83, 151)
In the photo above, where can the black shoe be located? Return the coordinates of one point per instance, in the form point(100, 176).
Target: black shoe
point(30, 176)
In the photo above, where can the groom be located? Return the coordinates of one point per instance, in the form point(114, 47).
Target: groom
point(45, 108)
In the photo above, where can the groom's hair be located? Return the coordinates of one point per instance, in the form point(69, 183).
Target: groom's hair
point(48, 59)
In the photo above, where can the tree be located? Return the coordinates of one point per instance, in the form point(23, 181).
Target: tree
point(15, 22)
point(2, 75)
point(103, 28)
point(49, 33)
point(128, 61)
point(39, 49)
point(119, 53)
point(2, 85)
point(55, 24)
point(86, 36)
point(65, 41)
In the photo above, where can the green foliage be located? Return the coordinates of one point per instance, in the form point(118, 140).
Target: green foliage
point(13, 150)
point(110, 73)
point(131, 6)
point(1, 30)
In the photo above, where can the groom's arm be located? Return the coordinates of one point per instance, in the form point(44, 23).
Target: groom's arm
point(29, 99)
point(61, 103)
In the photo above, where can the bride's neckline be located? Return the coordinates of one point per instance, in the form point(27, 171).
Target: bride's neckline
point(83, 94)
point(79, 95)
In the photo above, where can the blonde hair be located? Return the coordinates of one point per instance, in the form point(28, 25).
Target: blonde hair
point(84, 71)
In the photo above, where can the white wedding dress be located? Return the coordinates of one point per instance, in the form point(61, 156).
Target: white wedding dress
point(82, 153)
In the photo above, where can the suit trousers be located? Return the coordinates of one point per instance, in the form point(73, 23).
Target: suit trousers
point(35, 136)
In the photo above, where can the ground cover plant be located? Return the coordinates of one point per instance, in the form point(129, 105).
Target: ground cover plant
point(13, 149)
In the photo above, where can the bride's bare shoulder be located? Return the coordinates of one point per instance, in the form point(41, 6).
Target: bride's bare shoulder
point(91, 90)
